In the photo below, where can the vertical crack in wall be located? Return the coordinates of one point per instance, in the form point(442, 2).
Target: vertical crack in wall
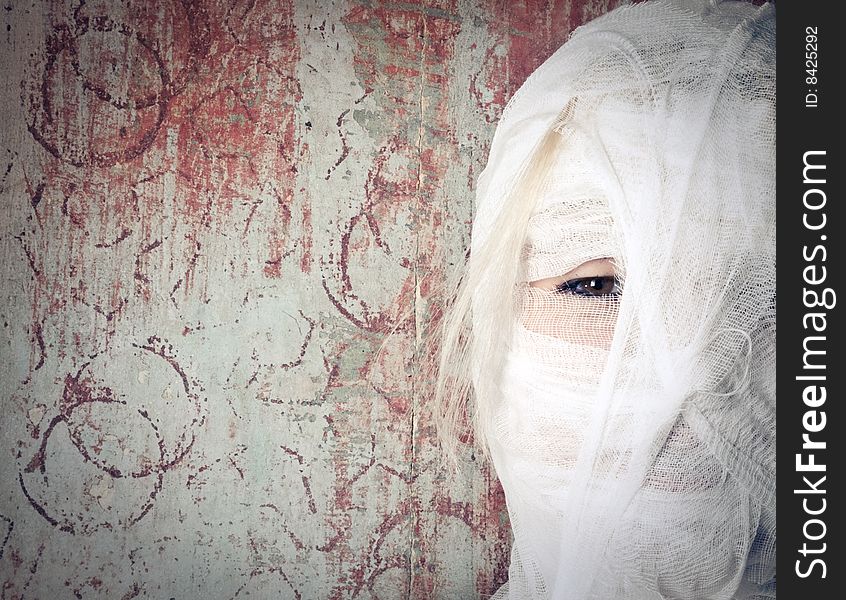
point(418, 328)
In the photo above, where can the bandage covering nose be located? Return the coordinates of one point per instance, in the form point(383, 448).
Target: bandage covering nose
point(633, 433)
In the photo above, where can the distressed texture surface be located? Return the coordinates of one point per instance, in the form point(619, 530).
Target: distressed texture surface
point(221, 225)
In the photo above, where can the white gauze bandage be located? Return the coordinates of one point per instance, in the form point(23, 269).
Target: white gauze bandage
point(634, 433)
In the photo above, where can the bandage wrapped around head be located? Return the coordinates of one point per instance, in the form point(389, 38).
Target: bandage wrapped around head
point(633, 432)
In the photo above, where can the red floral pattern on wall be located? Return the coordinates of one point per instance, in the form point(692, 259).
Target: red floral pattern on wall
point(223, 225)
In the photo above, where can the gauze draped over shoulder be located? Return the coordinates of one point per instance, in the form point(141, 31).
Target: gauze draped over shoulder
point(634, 435)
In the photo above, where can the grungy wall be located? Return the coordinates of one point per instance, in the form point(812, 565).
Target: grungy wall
point(222, 225)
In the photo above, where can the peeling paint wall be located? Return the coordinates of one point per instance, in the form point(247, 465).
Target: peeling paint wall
point(222, 222)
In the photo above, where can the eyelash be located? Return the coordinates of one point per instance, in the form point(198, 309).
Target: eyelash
point(580, 287)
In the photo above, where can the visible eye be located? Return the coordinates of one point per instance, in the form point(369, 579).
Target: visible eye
point(591, 286)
